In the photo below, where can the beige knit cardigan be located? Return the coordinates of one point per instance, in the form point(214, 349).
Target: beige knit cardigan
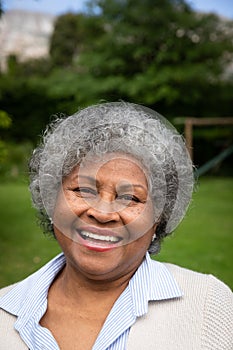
point(201, 320)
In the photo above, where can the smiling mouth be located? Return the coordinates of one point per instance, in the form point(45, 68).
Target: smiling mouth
point(94, 237)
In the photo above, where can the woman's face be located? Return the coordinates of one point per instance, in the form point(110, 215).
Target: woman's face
point(103, 219)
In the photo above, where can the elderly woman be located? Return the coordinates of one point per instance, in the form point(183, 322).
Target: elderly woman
point(110, 182)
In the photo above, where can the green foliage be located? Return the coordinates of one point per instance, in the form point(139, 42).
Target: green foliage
point(12, 64)
point(28, 104)
point(71, 34)
point(64, 40)
point(14, 166)
point(5, 122)
point(157, 53)
point(3, 153)
point(39, 67)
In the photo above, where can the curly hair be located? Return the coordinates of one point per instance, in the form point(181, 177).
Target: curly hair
point(116, 127)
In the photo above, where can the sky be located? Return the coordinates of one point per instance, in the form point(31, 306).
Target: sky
point(56, 7)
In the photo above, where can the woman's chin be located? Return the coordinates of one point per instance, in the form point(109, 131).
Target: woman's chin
point(96, 261)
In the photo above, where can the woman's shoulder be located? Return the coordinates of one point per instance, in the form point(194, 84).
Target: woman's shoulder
point(206, 292)
point(200, 319)
point(192, 279)
point(213, 299)
point(7, 289)
point(184, 275)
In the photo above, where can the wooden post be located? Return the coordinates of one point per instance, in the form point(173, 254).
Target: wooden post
point(190, 122)
point(188, 131)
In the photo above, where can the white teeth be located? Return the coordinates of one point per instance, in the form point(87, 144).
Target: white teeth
point(99, 237)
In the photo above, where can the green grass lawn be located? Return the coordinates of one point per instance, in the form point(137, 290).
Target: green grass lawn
point(203, 242)
point(23, 246)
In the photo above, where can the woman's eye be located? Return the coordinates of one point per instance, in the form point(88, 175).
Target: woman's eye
point(128, 198)
point(85, 191)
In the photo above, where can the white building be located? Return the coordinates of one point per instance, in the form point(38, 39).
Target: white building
point(25, 34)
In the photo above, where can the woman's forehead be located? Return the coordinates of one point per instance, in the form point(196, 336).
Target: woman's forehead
point(121, 167)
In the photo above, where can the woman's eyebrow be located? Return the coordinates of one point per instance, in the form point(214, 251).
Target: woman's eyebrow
point(128, 187)
point(91, 179)
point(122, 187)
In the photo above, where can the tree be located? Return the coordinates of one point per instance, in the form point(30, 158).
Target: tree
point(160, 53)
point(70, 34)
point(26, 100)
point(156, 52)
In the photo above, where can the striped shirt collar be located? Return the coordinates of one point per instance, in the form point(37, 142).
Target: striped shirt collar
point(28, 300)
point(153, 281)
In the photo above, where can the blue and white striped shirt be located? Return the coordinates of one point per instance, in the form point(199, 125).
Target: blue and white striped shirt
point(28, 301)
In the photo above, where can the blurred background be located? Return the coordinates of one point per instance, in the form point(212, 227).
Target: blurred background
point(173, 56)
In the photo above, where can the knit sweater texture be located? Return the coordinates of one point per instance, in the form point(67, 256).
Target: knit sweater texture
point(201, 320)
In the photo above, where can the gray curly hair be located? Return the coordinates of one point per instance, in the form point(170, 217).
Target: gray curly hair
point(116, 127)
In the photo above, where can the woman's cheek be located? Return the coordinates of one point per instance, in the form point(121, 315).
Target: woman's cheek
point(138, 220)
point(66, 212)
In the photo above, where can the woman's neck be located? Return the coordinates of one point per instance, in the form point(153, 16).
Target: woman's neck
point(80, 289)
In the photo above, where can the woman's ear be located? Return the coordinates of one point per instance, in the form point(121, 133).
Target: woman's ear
point(153, 237)
point(154, 227)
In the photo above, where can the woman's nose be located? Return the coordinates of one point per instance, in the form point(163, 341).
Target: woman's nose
point(103, 211)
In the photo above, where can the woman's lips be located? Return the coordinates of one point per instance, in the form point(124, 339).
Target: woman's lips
point(99, 240)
